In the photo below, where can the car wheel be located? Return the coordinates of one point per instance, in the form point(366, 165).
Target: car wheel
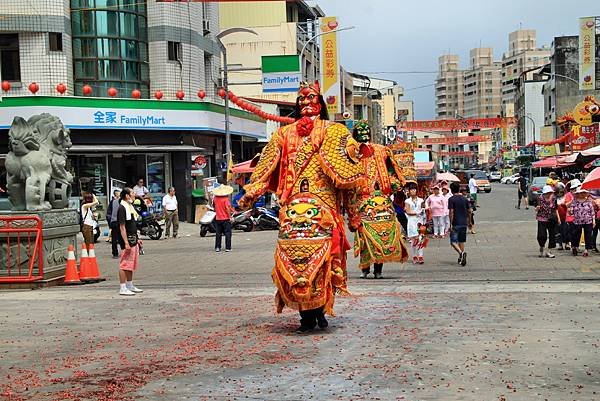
point(487, 191)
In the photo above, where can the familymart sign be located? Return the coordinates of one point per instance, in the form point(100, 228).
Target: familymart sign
point(280, 73)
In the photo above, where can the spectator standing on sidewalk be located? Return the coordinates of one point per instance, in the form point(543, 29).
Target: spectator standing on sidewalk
point(113, 223)
point(447, 194)
point(140, 191)
point(561, 205)
point(223, 210)
point(413, 207)
point(169, 204)
point(87, 218)
point(547, 218)
point(522, 190)
point(583, 221)
point(460, 215)
point(436, 203)
point(127, 217)
point(473, 188)
point(572, 186)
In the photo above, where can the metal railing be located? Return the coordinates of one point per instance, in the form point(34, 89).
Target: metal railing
point(21, 249)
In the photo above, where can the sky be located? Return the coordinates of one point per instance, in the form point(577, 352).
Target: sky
point(396, 36)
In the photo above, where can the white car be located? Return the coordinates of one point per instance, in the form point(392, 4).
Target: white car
point(495, 176)
point(511, 179)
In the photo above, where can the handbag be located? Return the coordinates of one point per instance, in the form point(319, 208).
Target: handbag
point(132, 239)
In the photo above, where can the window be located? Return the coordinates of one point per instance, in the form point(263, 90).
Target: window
point(174, 50)
point(55, 41)
point(9, 57)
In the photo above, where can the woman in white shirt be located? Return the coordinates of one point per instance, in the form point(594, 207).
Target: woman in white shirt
point(415, 213)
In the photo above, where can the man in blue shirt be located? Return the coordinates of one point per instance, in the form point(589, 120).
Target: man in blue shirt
point(460, 215)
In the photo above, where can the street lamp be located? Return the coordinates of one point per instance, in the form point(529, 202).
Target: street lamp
point(560, 76)
point(226, 86)
point(313, 38)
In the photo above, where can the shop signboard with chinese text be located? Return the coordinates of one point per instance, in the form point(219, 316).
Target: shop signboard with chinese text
point(587, 53)
point(330, 68)
point(453, 140)
point(583, 138)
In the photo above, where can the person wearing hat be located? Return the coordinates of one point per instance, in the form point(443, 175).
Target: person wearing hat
point(223, 210)
point(583, 220)
point(437, 204)
point(564, 238)
point(572, 186)
point(547, 216)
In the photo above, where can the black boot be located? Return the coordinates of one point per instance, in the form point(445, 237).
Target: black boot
point(308, 321)
point(378, 268)
point(321, 321)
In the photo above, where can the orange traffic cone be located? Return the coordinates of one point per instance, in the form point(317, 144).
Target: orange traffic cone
point(94, 270)
point(85, 266)
point(71, 275)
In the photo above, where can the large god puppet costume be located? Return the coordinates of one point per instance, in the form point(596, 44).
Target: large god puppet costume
point(307, 164)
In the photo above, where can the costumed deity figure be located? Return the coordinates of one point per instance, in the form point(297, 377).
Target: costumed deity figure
point(307, 164)
point(378, 234)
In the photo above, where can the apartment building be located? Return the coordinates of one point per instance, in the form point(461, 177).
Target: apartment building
point(522, 55)
point(482, 85)
point(449, 87)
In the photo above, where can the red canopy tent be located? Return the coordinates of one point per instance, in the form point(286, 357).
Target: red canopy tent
point(243, 167)
point(552, 162)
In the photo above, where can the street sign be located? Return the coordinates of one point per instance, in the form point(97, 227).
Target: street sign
point(280, 73)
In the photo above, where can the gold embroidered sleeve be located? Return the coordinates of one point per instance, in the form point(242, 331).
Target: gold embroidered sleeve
point(336, 157)
point(267, 164)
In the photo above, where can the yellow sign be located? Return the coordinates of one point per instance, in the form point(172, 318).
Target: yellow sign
point(330, 67)
point(587, 53)
point(548, 151)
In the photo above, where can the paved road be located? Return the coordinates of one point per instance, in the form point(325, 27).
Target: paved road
point(509, 326)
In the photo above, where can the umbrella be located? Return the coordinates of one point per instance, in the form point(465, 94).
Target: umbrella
point(592, 181)
point(448, 177)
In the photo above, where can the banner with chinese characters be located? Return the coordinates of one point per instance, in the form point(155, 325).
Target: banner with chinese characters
point(330, 68)
point(587, 53)
point(455, 125)
point(452, 140)
point(456, 154)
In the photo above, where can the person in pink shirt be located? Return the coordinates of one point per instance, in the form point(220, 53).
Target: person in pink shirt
point(446, 193)
point(437, 204)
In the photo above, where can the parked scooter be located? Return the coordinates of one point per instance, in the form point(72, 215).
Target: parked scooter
point(207, 222)
point(265, 218)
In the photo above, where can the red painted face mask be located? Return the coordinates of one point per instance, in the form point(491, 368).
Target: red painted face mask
point(308, 99)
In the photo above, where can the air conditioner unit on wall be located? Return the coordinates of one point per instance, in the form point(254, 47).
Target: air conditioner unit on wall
point(206, 27)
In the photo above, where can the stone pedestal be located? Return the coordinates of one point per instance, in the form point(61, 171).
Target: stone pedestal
point(59, 230)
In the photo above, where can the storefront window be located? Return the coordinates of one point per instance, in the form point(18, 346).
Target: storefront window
point(156, 174)
point(91, 167)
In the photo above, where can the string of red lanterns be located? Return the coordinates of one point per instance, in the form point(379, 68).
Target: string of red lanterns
point(253, 108)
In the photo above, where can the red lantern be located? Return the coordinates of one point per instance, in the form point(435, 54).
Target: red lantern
point(180, 94)
point(112, 92)
point(136, 94)
point(33, 88)
point(221, 92)
point(158, 95)
point(234, 98)
point(61, 88)
point(5, 86)
point(87, 90)
point(201, 94)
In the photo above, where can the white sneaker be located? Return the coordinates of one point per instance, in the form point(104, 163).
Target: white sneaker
point(135, 289)
point(126, 292)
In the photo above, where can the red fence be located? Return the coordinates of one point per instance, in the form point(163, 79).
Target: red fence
point(21, 249)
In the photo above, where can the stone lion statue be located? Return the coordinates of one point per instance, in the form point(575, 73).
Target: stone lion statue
point(37, 178)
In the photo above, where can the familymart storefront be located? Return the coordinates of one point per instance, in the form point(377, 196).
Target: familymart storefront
point(122, 140)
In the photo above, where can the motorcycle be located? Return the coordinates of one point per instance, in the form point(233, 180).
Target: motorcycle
point(148, 224)
point(265, 218)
